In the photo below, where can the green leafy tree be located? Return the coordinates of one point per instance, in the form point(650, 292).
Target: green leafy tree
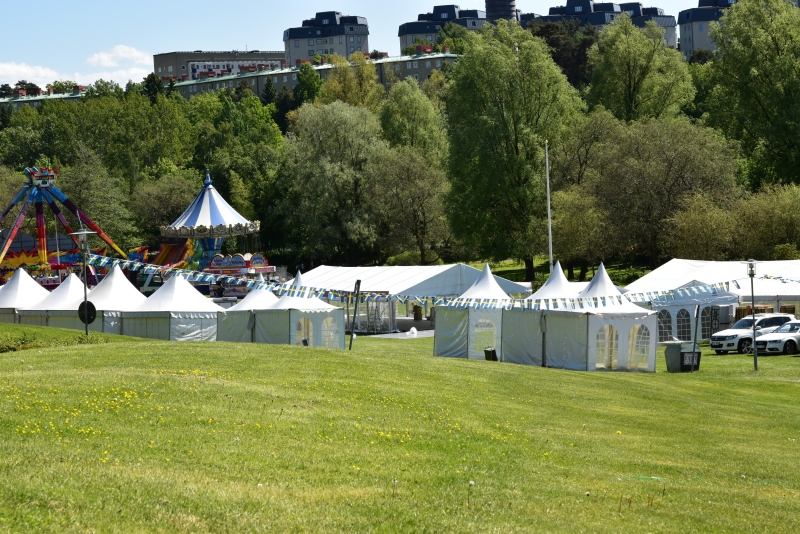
point(30, 87)
point(60, 87)
point(268, 94)
point(5, 116)
point(703, 229)
point(308, 85)
point(102, 88)
point(581, 232)
point(455, 36)
point(635, 75)
point(505, 98)
point(412, 49)
point(161, 200)
point(153, 87)
point(325, 199)
point(755, 97)
point(284, 104)
point(569, 43)
point(408, 118)
point(6, 91)
point(353, 82)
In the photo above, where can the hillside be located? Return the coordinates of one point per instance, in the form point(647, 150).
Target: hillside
point(152, 436)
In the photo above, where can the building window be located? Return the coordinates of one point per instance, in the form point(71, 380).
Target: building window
point(352, 29)
point(319, 51)
point(294, 76)
point(397, 66)
point(358, 40)
point(341, 40)
point(297, 43)
point(413, 40)
point(319, 32)
point(159, 69)
point(183, 67)
point(416, 77)
point(684, 326)
point(416, 64)
point(700, 27)
point(427, 64)
point(252, 82)
point(444, 15)
point(310, 53)
point(325, 21)
point(352, 39)
point(429, 38)
point(578, 9)
point(311, 42)
point(275, 79)
point(352, 49)
point(284, 79)
point(319, 41)
point(169, 69)
point(408, 65)
point(438, 62)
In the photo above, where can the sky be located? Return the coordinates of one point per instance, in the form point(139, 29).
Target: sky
point(83, 41)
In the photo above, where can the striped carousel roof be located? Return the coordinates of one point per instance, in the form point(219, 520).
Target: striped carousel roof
point(209, 209)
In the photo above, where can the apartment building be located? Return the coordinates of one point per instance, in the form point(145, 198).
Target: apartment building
point(329, 32)
point(419, 67)
point(22, 98)
point(427, 25)
point(198, 64)
point(601, 14)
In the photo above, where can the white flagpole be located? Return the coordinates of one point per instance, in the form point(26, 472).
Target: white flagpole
point(549, 218)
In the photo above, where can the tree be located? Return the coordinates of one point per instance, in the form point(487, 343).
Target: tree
point(408, 118)
point(766, 220)
point(5, 116)
point(268, 94)
point(435, 88)
point(409, 202)
point(354, 82)
point(575, 158)
point(102, 88)
point(569, 43)
point(755, 97)
point(455, 36)
point(581, 230)
point(704, 228)
point(506, 97)
point(284, 104)
point(29, 87)
point(636, 76)
point(61, 87)
point(160, 201)
point(153, 87)
point(650, 169)
point(6, 91)
point(411, 50)
point(701, 56)
point(308, 85)
point(324, 198)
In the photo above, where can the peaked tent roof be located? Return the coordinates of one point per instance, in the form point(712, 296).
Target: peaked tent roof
point(21, 291)
point(209, 209)
point(312, 304)
point(422, 281)
point(257, 299)
point(67, 296)
point(600, 286)
point(557, 286)
point(485, 287)
point(177, 295)
point(116, 293)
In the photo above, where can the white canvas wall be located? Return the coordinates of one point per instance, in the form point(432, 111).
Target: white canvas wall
point(522, 337)
point(171, 326)
point(236, 326)
point(290, 327)
point(466, 332)
point(8, 315)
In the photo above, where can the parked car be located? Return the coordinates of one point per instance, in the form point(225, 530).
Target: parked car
point(784, 340)
point(739, 337)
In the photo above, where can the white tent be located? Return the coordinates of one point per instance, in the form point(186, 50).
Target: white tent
point(65, 298)
point(676, 313)
point(404, 281)
point(614, 335)
point(175, 312)
point(557, 286)
point(296, 320)
point(112, 296)
point(237, 322)
point(466, 332)
point(20, 291)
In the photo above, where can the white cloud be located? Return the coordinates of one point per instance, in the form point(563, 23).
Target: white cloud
point(120, 54)
point(120, 64)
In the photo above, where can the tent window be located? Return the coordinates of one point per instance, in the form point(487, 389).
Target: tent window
point(607, 347)
point(330, 333)
point(705, 323)
point(485, 334)
point(664, 326)
point(639, 349)
point(304, 331)
point(684, 326)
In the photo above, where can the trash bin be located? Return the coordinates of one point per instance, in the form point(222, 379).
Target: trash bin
point(681, 359)
point(490, 353)
point(417, 313)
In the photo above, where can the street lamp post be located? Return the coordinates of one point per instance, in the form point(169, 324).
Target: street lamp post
point(83, 242)
point(751, 272)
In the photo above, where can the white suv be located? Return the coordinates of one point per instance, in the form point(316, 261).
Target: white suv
point(739, 337)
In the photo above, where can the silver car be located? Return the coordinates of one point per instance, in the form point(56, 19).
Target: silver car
point(784, 340)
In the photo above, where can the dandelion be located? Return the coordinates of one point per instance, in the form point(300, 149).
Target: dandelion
point(619, 431)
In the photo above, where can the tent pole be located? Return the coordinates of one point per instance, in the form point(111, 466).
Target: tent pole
point(355, 313)
point(696, 322)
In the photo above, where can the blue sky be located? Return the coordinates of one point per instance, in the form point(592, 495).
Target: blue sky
point(90, 39)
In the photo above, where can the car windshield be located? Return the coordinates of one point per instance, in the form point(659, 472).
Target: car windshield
point(788, 327)
point(743, 323)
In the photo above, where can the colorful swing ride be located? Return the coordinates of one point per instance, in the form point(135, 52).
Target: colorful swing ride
point(40, 188)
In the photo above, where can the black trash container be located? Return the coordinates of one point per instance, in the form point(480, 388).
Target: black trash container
point(490, 353)
point(681, 359)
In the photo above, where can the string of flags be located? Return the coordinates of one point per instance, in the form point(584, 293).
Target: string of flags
point(567, 303)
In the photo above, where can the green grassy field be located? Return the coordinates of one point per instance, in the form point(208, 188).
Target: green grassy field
point(151, 436)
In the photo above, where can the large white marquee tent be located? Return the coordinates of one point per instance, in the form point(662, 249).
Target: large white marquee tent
point(20, 291)
point(297, 320)
point(175, 312)
point(466, 332)
point(403, 281)
point(616, 336)
point(237, 323)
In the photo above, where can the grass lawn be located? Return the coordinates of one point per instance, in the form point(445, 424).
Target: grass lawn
point(154, 436)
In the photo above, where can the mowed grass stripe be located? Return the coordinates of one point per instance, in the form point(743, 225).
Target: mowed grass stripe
point(153, 436)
